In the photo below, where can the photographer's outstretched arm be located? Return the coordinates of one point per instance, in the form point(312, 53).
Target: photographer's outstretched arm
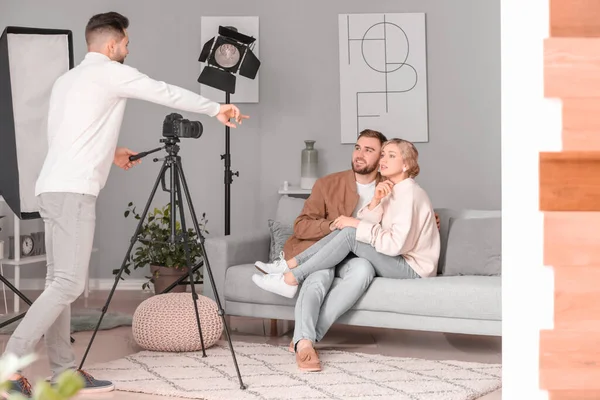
point(129, 82)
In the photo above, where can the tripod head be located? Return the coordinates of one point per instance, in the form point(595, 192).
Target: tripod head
point(170, 140)
point(170, 146)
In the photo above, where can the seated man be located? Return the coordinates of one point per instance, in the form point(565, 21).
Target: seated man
point(337, 194)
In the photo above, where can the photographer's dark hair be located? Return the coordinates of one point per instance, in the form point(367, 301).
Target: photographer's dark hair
point(112, 22)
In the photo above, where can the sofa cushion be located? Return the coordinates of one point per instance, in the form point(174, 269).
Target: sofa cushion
point(282, 226)
point(288, 209)
point(474, 247)
point(471, 297)
point(446, 214)
point(280, 233)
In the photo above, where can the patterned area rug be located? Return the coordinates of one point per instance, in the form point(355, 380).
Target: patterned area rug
point(270, 372)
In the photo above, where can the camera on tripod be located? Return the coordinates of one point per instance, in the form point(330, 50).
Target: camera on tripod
point(175, 125)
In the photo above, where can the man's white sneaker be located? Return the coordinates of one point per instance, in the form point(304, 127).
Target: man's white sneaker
point(274, 283)
point(279, 266)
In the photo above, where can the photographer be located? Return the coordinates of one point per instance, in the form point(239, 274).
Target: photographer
point(85, 113)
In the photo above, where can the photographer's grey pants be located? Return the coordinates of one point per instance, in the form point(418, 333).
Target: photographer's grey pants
point(69, 221)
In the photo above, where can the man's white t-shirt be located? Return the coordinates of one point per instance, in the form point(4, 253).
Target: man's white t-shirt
point(86, 109)
point(366, 193)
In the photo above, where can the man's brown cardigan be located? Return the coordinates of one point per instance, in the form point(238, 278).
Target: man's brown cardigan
point(332, 196)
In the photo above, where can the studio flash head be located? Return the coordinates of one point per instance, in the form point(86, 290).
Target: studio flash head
point(175, 125)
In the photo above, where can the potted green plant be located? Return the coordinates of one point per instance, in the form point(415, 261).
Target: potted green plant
point(167, 262)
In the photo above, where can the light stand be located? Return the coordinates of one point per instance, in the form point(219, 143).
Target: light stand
point(228, 174)
point(226, 55)
point(172, 162)
point(31, 59)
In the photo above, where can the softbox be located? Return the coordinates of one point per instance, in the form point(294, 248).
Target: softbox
point(31, 60)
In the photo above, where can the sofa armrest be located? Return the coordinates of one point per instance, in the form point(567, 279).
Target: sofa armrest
point(227, 251)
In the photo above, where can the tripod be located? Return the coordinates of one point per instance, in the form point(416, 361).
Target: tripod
point(172, 162)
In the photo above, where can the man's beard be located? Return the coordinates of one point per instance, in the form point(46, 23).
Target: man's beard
point(365, 170)
point(119, 59)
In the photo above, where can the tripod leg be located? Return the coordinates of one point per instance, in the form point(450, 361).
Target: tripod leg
point(186, 250)
point(127, 255)
point(208, 270)
point(15, 290)
point(181, 279)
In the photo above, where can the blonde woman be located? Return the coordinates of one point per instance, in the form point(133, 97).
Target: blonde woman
point(396, 232)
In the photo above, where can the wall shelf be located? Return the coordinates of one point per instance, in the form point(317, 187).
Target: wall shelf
point(294, 190)
point(30, 260)
point(18, 260)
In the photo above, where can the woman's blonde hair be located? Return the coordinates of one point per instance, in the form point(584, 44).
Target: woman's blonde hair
point(409, 154)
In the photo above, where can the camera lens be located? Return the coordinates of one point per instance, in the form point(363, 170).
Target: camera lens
point(195, 129)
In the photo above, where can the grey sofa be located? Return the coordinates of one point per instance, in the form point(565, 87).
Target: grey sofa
point(465, 297)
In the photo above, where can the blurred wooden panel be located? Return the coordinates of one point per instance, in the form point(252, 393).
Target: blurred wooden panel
point(573, 395)
point(570, 199)
point(580, 140)
point(570, 18)
point(570, 181)
point(577, 298)
point(571, 239)
point(581, 114)
point(581, 124)
point(569, 360)
point(572, 67)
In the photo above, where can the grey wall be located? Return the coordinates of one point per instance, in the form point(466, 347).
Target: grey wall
point(299, 99)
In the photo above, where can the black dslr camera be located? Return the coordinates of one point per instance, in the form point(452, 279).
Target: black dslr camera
point(175, 125)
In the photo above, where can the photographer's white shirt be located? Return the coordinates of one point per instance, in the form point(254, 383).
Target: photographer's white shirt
point(84, 120)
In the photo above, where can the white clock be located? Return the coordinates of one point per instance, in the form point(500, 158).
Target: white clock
point(27, 246)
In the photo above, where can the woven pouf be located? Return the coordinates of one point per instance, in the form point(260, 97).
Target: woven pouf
point(167, 322)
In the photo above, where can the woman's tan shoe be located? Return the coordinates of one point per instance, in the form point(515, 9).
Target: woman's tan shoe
point(308, 360)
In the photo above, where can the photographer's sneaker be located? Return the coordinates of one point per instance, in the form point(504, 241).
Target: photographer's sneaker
point(279, 266)
point(19, 386)
point(93, 385)
point(274, 283)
